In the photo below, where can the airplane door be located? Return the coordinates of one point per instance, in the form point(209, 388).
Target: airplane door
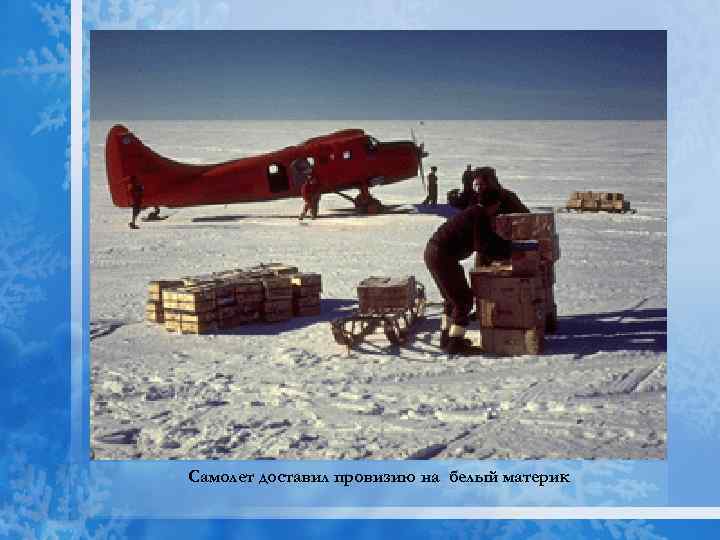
point(277, 178)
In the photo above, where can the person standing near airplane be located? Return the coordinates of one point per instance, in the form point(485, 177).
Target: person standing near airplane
point(431, 198)
point(310, 192)
point(135, 191)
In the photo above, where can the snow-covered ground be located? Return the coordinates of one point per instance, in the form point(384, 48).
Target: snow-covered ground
point(287, 390)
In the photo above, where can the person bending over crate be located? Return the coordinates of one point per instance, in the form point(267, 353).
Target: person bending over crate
point(485, 178)
point(459, 237)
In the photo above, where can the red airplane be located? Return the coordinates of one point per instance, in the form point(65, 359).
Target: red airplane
point(343, 160)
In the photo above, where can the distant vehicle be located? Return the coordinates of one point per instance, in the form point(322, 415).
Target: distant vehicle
point(343, 160)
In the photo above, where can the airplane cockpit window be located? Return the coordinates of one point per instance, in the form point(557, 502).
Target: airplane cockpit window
point(372, 144)
point(346, 154)
point(277, 178)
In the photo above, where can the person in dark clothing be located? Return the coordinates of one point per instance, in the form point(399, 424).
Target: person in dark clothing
point(467, 196)
point(485, 178)
point(431, 198)
point(310, 192)
point(467, 232)
point(135, 191)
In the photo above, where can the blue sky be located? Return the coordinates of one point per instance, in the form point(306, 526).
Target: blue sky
point(327, 75)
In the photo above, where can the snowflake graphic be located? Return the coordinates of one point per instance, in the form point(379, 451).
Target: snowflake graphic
point(25, 258)
point(62, 504)
point(695, 393)
point(546, 530)
point(52, 65)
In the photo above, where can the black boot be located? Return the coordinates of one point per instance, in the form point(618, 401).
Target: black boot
point(444, 339)
point(460, 346)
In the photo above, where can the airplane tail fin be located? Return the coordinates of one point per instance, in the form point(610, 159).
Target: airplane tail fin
point(126, 156)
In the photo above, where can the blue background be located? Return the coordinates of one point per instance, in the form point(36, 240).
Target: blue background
point(45, 488)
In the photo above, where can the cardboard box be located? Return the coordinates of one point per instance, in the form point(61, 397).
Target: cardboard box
point(511, 342)
point(386, 293)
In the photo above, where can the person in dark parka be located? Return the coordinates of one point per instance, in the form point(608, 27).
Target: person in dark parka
point(135, 192)
point(459, 237)
point(431, 198)
point(486, 178)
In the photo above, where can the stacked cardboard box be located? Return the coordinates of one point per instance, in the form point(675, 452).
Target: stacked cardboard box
point(306, 289)
point(381, 294)
point(595, 201)
point(205, 303)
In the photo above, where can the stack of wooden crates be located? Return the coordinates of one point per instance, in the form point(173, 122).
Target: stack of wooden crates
point(515, 298)
point(224, 300)
point(595, 201)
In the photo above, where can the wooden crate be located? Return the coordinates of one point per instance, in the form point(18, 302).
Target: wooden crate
point(306, 305)
point(504, 314)
point(386, 293)
point(208, 327)
point(277, 288)
point(532, 226)
point(525, 263)
point(277, 310)
point(275, 269)
point(196, 318)
point(193, 299)
point(512, 342)
point(517, 290)
point(248, 285)
point(158, 287)
point(574, 204)
point(154, 312)
point(248, 308)
point(226, 312)
point(301, 291)
point(307, 279)
point(549, 249)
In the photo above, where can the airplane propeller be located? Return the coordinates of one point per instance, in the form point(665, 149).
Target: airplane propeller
point(421, 154)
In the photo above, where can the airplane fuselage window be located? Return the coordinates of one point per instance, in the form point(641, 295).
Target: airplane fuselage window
point(347, 154)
